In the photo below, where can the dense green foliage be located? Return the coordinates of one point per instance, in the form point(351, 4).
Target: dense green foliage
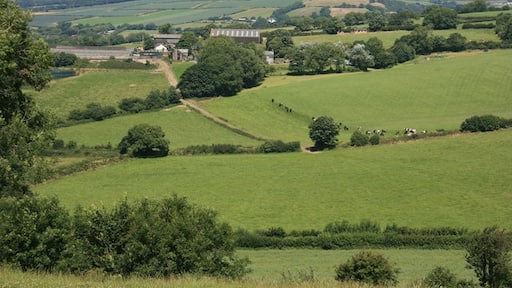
point(483, 123)
point(489, 255)
point(146, 238)
point(358, 138)
point(33, 232)
point(368, 267)
point(223, 69)
point(440, 277)
point(324, 131)
point(504, 27)
point(440, 17)
point(316, 58)
point(144, 141)
point(93, 111)
point(24, 130)
point(152, 238)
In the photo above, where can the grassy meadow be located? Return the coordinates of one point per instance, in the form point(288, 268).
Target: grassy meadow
point(433, 93)
point(457, 181)
point(102, 86)
point(182, 128)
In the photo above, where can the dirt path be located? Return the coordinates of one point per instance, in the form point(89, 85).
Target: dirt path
point(195, 106)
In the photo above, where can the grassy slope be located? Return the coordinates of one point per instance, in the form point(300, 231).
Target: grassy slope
point(182, 127)
point(429, 93)
point(454, 181)
point(104, 87)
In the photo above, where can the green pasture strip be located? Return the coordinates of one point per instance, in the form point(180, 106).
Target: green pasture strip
point(179, 67)
point(100, 86)
point(182, 127)
point(457, 181)
point(414, 264)
point(483, 14)
point(306, 11)
point(388, 38)
point(429, 93)
point(255, 12)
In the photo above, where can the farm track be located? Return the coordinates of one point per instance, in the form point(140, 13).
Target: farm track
point(195, 106)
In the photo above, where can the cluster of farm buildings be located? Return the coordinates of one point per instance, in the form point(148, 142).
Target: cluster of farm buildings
point(165, 45)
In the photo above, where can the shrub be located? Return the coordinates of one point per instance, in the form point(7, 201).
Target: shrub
point(368, 267)
point(483, 123)
point(374, 139)
point(93, 111)
point(345, 227)
point(33, 232)
point(440, 277)
point(159, 99)
point(279, 146)
point(359, 139)
point(132, 105)
point(152, 238)
point(144, 141)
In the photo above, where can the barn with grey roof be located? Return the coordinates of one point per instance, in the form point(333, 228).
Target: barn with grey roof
point(239, 35)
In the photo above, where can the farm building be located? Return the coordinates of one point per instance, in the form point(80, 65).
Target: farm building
point(180, 55)
point(239, 35)
point(269, 57)
point(167, 39)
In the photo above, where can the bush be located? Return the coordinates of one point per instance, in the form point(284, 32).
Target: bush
point(279, 146)
point(132, 105)
point(368, 267)
point(346, 227)
point(440, 277)
point(324, 131)
point(483, 123)
point(93, 111)
point(359, 139)
point(152, 238)
point(374, 139)
point(144, 141)
point(159, 99)
point(33, 232)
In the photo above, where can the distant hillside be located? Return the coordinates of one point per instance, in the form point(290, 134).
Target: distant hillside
point(43, 5)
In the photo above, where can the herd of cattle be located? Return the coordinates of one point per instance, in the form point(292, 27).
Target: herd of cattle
point(411, 132)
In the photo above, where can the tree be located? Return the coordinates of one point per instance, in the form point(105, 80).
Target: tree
point(360, 58)
point(24, 130)
point(368, 267)
point(488, 254)
point(149, 43)
point(440, 17)
point(279, 41)
point(376, 21)
point(403, 52)
point(324, 131)
point(456, 42)
point(188, 40)
point(504, 27)
point(144, 141)
point(166, 29)
point(420, 39)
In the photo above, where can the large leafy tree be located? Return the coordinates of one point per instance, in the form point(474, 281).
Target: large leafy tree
point(24, 130)
point(144, 141)
point(223, 69)
point(324, 131)
point(488, 253)
point(368, 267)
point(440, 17)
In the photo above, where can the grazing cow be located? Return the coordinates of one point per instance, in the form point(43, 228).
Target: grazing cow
point(409, 131)
point(272, 100)
point(345, 128)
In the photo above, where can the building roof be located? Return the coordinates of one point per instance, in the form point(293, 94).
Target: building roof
point(167, 36)
point(236, 33)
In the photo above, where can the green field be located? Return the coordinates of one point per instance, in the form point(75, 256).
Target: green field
point(414, 264)
point(179, 67)
point(104, 87)
point(427, 94)
point(457, 181)
point(182, 128)
point(158, 11)
point(388, 38)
